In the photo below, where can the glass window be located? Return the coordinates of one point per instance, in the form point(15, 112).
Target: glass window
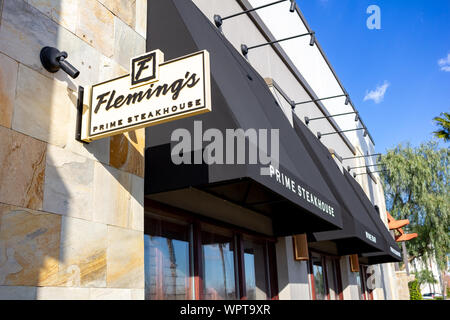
point(359, 283)
point(332, 279)
point(319, 278)
point(218, 253)
point(167, 260)
point(255, 266)
point(173, 253)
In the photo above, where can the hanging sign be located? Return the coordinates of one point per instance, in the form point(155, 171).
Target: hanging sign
point(154, 92)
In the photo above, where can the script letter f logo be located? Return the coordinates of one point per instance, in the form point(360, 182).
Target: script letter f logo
point(143, 68)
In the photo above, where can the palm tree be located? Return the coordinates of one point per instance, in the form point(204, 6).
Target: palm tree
point(444, 123)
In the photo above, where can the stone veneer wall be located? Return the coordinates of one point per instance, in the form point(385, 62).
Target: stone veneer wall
point(71, 215)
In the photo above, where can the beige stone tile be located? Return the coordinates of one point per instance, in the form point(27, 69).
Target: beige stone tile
point(42, 107)
point(125, 258)
point(29, 246)
point(96, 26)
point(18, 293)
point(110, 294)
point(127, 152)
point(22, 169)
point(97, 150)
point(112, 189)
point(25, 31)
point(127, 43)
point(141, 18)
point(82, 253)
point(124, 9)
point(118, 198)
point(110, 69)
point(61, 293)
point(137, 294)
point(68, 187)
point(137, 203)
point(8, 81)
point(60, 11)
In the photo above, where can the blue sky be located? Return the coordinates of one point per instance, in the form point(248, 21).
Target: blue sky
point(403, 56)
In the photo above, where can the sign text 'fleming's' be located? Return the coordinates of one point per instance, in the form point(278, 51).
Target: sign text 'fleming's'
point(154, 92)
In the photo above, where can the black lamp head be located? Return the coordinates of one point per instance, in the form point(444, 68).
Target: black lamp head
point(319, 135)
point(293, 4)
point(313, 39)
point(218, 20)
point(306, 120)
point(52, 60)
point(244, 50)
point(347, 99)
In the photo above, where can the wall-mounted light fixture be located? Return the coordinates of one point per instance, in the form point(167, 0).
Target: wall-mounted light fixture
point(347, 100)
point(368, 172)
point(218, 20)
point(362, 167)
point(308, 120)
point(52, 60)
point(366, 156)
point(320, 135)
point(245, 49)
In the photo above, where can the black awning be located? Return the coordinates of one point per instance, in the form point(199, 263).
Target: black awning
point(391, 251)
point(299, 199)
point(359, 233)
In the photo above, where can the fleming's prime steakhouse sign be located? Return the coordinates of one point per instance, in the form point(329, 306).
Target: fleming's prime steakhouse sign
point(154, 92)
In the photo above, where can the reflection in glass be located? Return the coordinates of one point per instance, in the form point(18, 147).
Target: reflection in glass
point(319, 279)
point(218, 264)
point(255, 270)
point(358, 282)
point(167, 260)
point(332, 279)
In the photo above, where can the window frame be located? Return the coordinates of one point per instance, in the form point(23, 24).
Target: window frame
point(335, 262)
point(366, 293)
point(153, 208)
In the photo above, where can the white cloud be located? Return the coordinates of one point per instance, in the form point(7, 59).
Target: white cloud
point(377, 95)
point(445, 63)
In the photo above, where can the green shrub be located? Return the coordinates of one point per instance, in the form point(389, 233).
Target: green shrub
point(448, 292)
point(414, 290)
point(439, 298)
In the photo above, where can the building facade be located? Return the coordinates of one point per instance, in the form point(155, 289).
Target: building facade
point(113, 219)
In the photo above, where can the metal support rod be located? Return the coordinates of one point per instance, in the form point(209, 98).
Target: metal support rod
point(245, 49)
point(369, 166)
point(320, 135)
point(253, 9)
point(80, 102)
point(357, 157)
point(327, 98)
point(218, 20)
point(369, 172)
point(276, 41)
point(307, 120)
